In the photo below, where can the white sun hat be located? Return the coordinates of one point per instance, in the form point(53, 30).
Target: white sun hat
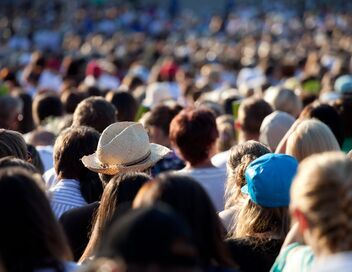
point(124, 147)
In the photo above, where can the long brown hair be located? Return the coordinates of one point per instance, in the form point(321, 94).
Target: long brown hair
point(120, 189)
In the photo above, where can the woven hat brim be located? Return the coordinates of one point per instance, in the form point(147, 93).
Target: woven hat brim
point(157, 153)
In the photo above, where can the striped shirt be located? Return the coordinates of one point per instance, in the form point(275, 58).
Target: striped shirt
point(66, 195)
point(212, 180)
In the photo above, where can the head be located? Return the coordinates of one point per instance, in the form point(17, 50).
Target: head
point(46, 105)
point(311, 137)
point(189, 200)
point(151, 239)
point(344, 108)
point(70, 100)
point(264, 214)
point(34, 158)
point(12, 144)
point(26, 124)
point(241, 156)
point(11, 161)
point(274, 127)
point(118, 194)
point(94, 112)
point(193, 134)
point(321, 202)
point(125, 104)
point(11, 109)
point(71, 145)
point(328, 115)
point(284, 100)
point(227, 133)
point(158, 122)
point(251, 114)
point(41, 243)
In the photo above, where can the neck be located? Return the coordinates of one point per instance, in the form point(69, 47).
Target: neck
point(245, 136)
point(204, 164)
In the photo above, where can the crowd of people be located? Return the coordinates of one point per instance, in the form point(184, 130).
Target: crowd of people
point(134, 138)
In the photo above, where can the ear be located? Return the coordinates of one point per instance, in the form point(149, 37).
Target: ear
point(301, 219)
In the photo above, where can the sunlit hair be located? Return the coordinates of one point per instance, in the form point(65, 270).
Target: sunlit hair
point(227, 134)
point(311, 137)
point(322, 191)
point(240, 157)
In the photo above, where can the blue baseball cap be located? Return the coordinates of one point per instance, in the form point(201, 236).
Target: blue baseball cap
point(269, 180)
point(343, 84)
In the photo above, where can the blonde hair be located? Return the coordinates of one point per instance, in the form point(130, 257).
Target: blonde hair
point(240, 157)
point(322, 191)
point(311, 137)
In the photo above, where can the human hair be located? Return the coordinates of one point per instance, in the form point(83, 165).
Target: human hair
point(227, 133)
point(189, 199)
point(46, 105)
point(240, 157)
point(285, 100)
point(322, 191)
point(125, 104)
point(27, 123)
point(193, 132)
point(30, 236)
point(161, 117)
point(12, 144)
point(11, 161)
point(94, 112)
point(71, 145)
point(251, 114)
point(328, 115)
point(121, 189)
point(344, 108)
point(310, 137)
point(10, 108)
point(261, 223)
point(70, 100)
point(35, 159)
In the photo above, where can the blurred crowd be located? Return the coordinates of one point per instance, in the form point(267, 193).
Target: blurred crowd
point(140, 138)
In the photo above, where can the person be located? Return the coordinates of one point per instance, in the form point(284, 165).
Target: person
point(274, 127)
point(34, 158)
point(10, 112)
point(251, 114)
point(320, 193)
point(157, 123)
point(94, 112)
point(310, 137)
point(150, 239)
point(193, 135)
point(263, 221)
point(188, 198)
point(70, 100)
point(26, 122)
point(45, 106)
point(117, 197)
point(11, 161)
point(227, 133)
point(124, 147)
point(125, 104)
point(76, 186)
point(285, 100)
point(344, 108)
point(241, 156)
point(12, 144)
point(30, 237)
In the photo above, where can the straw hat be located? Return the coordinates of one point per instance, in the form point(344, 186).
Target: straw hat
point(124, 147)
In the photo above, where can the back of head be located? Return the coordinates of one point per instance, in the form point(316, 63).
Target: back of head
point(125, 104)
point(71, 145)
point(150, 237)
point(30, 237)
point(240, 157)
point(70, 100)
point(274, 128)
point(329, 116)
point(11, 161)
point(193, 132)
point(251, 113)
point(322, 191)
point(190, 200)
point(10, 109)
point(311, 137)
point(12, 144)
point(94, 112)
point(45, 106)
point(227, 133)
point(284, 100)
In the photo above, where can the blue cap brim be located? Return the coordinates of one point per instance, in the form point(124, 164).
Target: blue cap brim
point(244, 190)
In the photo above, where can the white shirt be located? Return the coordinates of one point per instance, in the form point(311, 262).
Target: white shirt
point(212, 180)
point(220, 159)
point(337, 262)
point(66, 195)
